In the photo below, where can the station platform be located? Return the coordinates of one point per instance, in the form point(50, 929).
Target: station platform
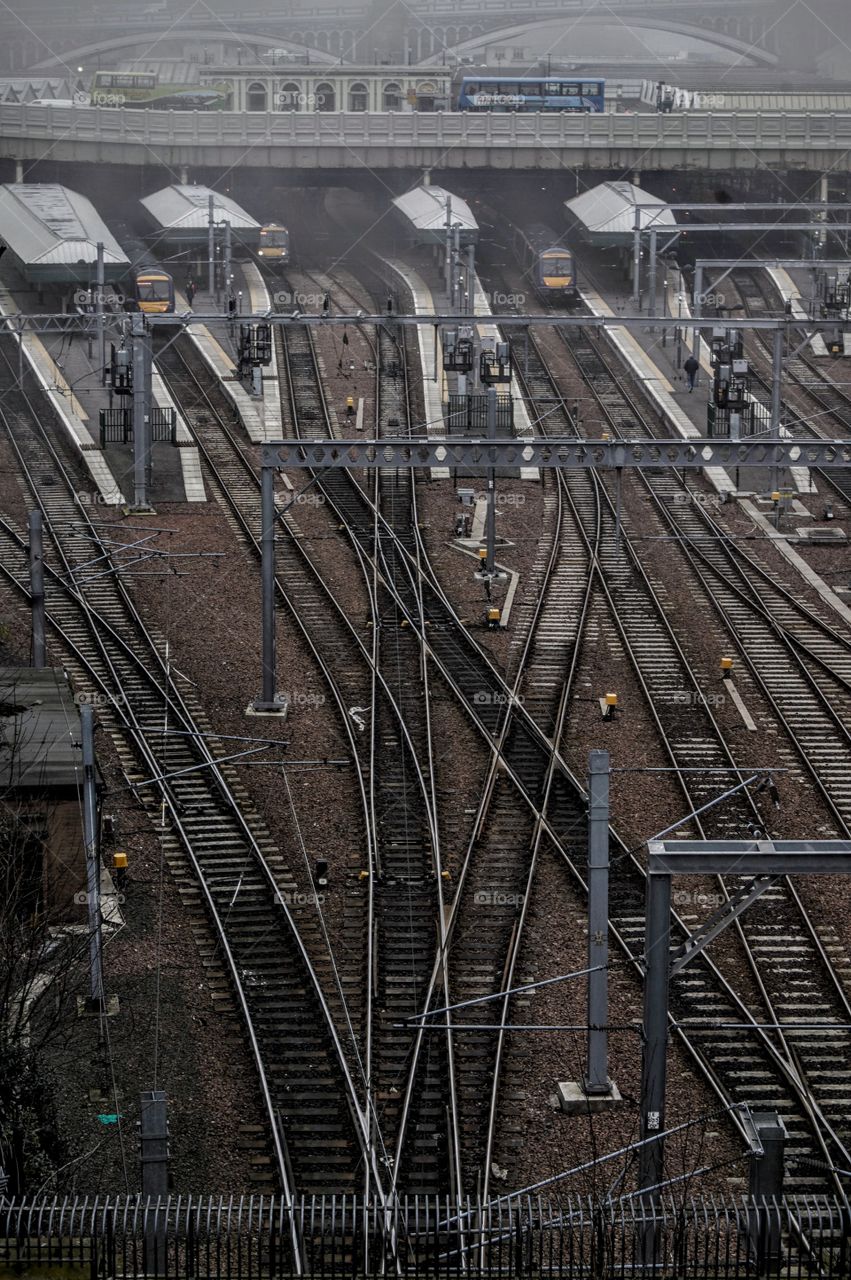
point(66, 368)
point(657, 357)
point(431, 353)
point(791, 291)
point(65, 398)
point(261, 419)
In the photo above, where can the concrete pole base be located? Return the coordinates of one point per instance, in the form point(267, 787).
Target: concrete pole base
point(571, 1098)
point(278, 708)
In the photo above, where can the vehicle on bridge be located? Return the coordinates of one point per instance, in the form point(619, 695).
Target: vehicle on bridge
point(274, 244)
point(548, 263)
point(145, 89)
point(531, 93)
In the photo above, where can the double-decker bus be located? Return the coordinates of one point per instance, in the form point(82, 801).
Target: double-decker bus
point(531, 93)
point(143, 89)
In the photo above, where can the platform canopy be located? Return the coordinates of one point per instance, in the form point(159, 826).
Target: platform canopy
point(605, 216)
point(426, 210)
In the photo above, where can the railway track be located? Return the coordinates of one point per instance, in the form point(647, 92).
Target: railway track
point(784, 950)
point(240, 877)
point(819, 398)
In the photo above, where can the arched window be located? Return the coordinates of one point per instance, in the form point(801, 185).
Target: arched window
point(290, 97)
point(392, 97)
point(426, 94)
point(326, 98)
point(358, 97)
point(256, 97)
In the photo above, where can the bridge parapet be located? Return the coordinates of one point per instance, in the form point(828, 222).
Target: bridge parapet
point(441, 140)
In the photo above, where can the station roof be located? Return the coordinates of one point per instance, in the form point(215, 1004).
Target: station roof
point(46, 225)
point(606, 214)
point(186, 208)
point(35, 88)
point(426, 209)
point(39, 730)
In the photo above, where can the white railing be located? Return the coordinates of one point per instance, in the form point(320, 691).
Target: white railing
point(395, 130)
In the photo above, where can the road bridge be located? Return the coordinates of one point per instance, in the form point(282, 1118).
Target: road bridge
point(696, 141)
point(756, 31)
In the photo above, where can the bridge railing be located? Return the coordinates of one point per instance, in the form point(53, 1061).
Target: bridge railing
point(441, 130)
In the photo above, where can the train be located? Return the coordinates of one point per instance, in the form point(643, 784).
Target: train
point(151, 287)
point(531, 93)
point(547, 262)
point(274, 244)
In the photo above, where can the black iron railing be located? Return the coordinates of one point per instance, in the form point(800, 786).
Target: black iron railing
point(252, 1238)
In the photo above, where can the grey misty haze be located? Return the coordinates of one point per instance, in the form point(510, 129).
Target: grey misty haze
point(778, 39)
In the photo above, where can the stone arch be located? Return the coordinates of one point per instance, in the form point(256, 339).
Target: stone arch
point(256, 96)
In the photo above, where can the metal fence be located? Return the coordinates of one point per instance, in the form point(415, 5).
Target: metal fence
point(262, 1237)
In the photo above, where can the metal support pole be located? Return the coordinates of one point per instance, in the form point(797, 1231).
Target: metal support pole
point(227, 264)
point(447, 266)
point(154, 1153)
point(597, 1080)
point(100, 284)
point(211, 246)
point(39, 649)
point(653, 245)
point(92, 856)
point(697, 310)
point(777, 383)
point(153, 1133)
point(268, 702)
point(636, 260)
point(471, 279)
point(142, 362)
point(657, 949)
point(776, 404)
point(766, 1188)
point(490, 562)
point(456, 267)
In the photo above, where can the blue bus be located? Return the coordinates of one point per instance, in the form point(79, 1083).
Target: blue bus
point(531, 93)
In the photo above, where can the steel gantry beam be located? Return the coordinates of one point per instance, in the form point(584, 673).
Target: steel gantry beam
point(557, 453)
point(763, 859)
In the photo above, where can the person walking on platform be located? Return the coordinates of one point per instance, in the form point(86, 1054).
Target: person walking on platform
point(692, 368)
point(190, 292)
